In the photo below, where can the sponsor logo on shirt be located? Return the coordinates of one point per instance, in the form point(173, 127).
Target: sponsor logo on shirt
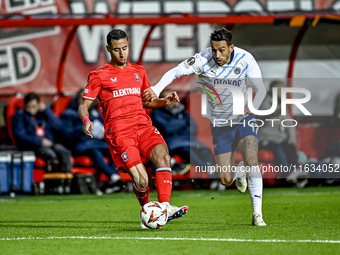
point(228, 82)
point(126, 92)
point(113, 80)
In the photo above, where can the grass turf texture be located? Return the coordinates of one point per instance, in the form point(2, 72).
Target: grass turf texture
point(291, 214)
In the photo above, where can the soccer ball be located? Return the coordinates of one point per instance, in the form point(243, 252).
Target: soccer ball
point(154, 215)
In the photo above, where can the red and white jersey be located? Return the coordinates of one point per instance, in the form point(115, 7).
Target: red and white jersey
point(119, 92)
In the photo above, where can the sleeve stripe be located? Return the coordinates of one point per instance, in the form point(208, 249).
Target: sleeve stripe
point(91, 98)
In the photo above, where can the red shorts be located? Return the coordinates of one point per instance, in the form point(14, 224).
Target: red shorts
point(133, 146)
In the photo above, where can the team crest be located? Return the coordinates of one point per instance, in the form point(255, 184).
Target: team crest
point(237, 70)
point(125, 156)
point(137, 77)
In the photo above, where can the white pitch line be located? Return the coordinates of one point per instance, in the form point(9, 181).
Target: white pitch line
point(170, 239)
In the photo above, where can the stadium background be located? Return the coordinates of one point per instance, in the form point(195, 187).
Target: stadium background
point(301, 47)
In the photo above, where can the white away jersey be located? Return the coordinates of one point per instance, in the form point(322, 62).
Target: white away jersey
point(224, 79)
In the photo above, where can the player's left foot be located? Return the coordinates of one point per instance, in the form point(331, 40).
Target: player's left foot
point(258, 221)
point(175, 212)
point(241, 183)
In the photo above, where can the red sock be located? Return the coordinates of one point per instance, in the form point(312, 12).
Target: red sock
point(141, 194)
point(164, 184)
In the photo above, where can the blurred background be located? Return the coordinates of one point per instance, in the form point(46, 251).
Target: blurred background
point(49, 47)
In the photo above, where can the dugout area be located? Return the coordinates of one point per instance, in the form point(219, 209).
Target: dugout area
point(299, 48)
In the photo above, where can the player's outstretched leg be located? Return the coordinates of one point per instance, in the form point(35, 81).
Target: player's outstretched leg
point(164, 186)
point(163, 180)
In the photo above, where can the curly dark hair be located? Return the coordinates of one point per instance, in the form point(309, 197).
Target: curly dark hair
point(222, 34)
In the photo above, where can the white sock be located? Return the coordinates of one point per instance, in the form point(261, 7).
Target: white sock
point(239, 171)
point(255, 188)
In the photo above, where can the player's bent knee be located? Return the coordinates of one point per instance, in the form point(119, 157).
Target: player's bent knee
point(226, 181)
point(142, 183)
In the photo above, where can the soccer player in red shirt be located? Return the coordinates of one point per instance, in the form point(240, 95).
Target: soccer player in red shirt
point(128, 129)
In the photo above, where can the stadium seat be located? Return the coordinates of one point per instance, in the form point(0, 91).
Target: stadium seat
point(60, 104)
point(83, 170)
point(39, 162)
point(38, 175)
point(265, 155)
point(85, 161)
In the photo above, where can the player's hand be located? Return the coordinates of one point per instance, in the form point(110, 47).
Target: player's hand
point(172, 98)
point(88, 128)
point(46, 142)
point(149, 95)
point(247, 111)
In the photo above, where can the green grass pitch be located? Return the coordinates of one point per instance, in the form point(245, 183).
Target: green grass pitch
point(303, 221)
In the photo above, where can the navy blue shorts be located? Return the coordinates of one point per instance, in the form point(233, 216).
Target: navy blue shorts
point(225, 139)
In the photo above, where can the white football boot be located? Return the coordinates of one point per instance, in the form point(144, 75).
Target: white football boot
point(241, 183)
point(258, 221)
point(175, 212)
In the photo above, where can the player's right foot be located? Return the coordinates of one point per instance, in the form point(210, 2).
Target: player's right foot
point(175, 212)
point(241, 183)
point(258, 221)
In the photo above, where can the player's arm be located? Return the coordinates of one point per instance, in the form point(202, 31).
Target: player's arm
point(83, 112)
point(190, 66)
point(154, 91)
point(160, 102)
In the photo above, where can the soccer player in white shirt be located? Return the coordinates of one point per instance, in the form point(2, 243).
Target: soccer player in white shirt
point(222, 70)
